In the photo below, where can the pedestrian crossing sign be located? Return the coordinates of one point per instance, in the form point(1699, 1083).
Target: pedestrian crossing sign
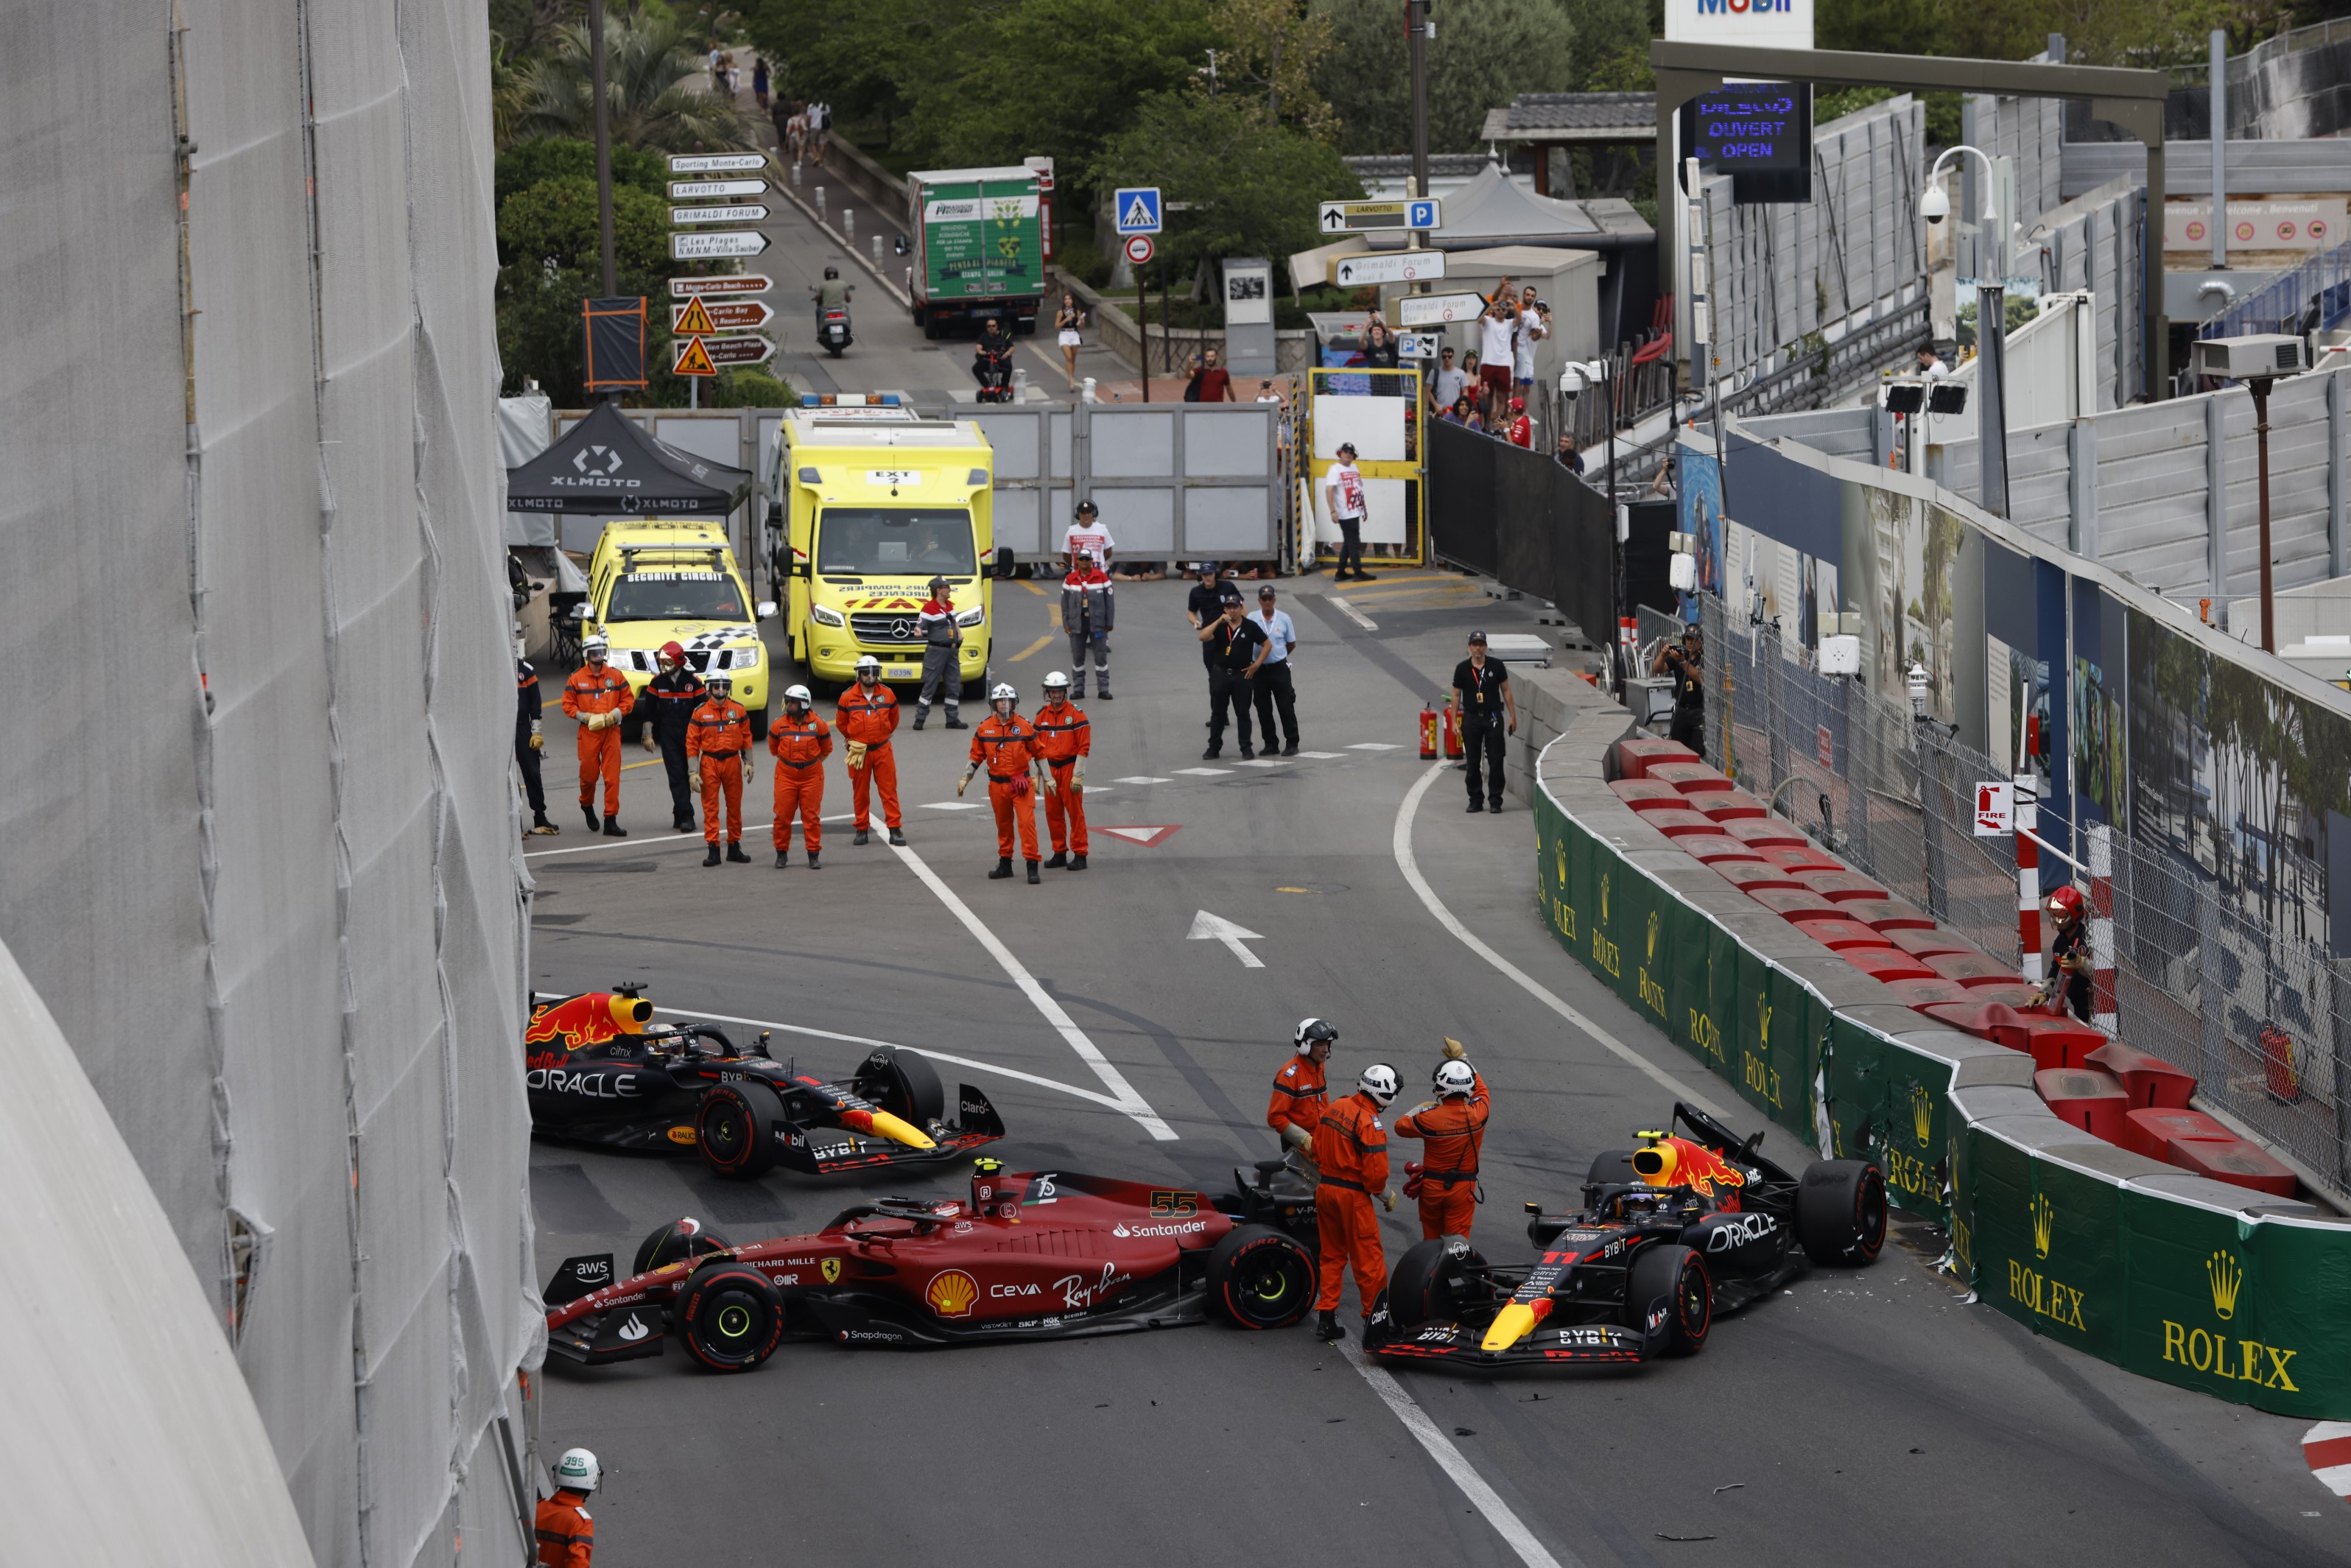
point(1136, 207)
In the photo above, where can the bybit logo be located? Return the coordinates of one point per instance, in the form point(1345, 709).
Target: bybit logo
point(2228, 1277)
point(2044, 1220)
point(1922, 1114)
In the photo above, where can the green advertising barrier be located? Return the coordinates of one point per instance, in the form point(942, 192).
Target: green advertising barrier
point(2138, 1264)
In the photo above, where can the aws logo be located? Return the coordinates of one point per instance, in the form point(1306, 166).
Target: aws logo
point(2219, 1354)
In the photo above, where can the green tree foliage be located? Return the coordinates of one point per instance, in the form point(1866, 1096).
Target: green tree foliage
point(1486, 53)
point(527, 163)
point(547, 242)
point(867, 58)
point(646, 63)
point(1253, 183)
point(1274, 47)
point(554, 223)
point(1608, 50)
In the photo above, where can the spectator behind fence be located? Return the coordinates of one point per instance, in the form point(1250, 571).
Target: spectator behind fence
point(1569, 457)
point(1464, 412)
point(1380, 354)
point(1494, 358)
point(1445, 386)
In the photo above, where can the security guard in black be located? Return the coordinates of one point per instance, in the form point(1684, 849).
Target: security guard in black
point(1236, 646)
point(1488, 710)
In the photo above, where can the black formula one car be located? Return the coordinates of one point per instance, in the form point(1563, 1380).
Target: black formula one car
point(598, 1071)
point(1029, 1255)
point(1669, 1234)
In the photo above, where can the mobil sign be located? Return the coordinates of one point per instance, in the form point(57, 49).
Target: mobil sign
point(1765, 24)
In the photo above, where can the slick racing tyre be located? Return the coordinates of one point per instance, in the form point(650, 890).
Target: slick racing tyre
point(734, 1128)
point(1841, 1211)
point(1678, 1276)
point(1261, 1278)
point(904, 1084)
point(729, 1316)
point(1431, 1280)
point(675, 1242)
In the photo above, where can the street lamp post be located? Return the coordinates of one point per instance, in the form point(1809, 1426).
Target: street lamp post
point(603, 145)
point(2260, 387)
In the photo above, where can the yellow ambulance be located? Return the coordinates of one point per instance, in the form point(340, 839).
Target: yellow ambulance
point(654, 581)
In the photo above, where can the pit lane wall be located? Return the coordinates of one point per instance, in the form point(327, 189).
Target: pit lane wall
point(2172, 1276)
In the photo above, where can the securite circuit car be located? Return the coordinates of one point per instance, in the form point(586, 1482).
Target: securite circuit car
point(598, 1071)
point(1028, 1255)
point(1669, 1235)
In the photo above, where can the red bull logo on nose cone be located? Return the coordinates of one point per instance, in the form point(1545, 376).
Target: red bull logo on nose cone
point(1678, 1162)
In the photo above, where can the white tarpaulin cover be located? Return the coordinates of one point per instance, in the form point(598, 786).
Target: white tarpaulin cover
point(524, 423)
point(262, 862)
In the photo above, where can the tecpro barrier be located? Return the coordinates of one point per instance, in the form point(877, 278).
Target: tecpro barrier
point(2170, 1275)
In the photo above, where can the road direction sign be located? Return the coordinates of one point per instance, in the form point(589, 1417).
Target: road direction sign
point(1347, 217)
point(717, 242)
point(1139, 248)
point(720, 316)
point(747, 349)
point(715, 190)
point(1396, 267)
point(716, 162)
point(694, 359)
point(737, 283)
point(1207, 927)
point(1136, 208)
point(1436, 309)
point(751, 213)
point(1418, 345)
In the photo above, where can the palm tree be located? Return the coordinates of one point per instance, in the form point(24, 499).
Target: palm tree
point(648, 104)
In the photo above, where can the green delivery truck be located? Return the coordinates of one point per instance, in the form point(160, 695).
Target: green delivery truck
point(982, 238)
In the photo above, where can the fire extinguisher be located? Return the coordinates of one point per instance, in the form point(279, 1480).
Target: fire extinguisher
point(1452, 731)
point(1428, 734)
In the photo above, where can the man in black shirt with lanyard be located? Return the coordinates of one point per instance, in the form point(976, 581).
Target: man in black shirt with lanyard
point(1235, 647)
point(1482, 696)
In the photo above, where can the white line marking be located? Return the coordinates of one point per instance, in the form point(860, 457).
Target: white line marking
point(1263, 762)
point(1099, 1099)
point(1129, 1101)
point(1533, 988)
point(1144, 779)
point(1375, 746)
point(1516, 1535)
point(629, 843)
point(951, 805)
point(1351, 612)
point(1320, 755)
point(1205, 772)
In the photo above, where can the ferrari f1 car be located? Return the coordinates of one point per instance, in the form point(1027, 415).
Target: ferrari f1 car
point(1032, 1255)
point(1669, 1234)
point(598, 1070)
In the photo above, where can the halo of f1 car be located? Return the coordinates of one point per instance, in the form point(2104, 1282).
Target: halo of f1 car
point(598, 1071)
point(1669, 1234)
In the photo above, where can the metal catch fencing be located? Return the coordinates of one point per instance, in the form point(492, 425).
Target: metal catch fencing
point(2261, 1015)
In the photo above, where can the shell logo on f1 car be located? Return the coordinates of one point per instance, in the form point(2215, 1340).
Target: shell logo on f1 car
point(952, 1293)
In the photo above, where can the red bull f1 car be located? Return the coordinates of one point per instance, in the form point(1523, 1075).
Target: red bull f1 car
point(1032, 1255)
point(598, 1071)
point(1669, 1235)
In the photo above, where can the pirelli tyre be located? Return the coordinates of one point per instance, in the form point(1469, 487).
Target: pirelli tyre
point(1669, 1274)
point(734, 1128)
point(1258, 1278)
point(1430, 1282)
point(675, 1242)
point(904, 1084)
point(1841, 1211)
point(729, 1316)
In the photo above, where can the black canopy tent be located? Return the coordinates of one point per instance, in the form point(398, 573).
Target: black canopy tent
point(608, 463)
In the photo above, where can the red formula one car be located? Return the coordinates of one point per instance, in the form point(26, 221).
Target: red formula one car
point(1033, 1255)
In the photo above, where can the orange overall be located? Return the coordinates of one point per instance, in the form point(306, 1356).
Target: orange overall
point(567, 1536)
point(1352, 1151)
point(871, 719)
point(1298, 1096)
point(1063, 736)
point(1454, 1130)
point(596, 689)
point(717, 737)
point(800, 747)
point(1003, 748)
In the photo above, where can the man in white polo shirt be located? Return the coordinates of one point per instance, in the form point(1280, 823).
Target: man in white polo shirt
point(1272, 682)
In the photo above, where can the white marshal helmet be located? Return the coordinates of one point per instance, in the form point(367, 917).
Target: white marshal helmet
point(1379, 1081)
point(594, 642)
point(578, 1472)
point(798, 694)
point(1057, 678)
point(1311, 1032)
point(868, 664)
point(714, 678)
point(1455, 1078)
point(1004, 692)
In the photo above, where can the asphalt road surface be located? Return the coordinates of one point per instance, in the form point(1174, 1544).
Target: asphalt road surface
point(1863, 1416)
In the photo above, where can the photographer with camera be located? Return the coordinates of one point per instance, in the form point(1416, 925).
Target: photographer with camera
point(1687, 665)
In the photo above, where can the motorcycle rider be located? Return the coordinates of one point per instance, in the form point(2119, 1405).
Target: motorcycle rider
point(991, 359)
point(866, 716)
point(1006, 744)
point(832, 294)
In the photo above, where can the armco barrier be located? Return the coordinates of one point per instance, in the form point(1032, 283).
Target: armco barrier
point(2167, 1274)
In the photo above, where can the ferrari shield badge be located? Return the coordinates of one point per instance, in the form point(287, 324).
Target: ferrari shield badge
point(831, 1267)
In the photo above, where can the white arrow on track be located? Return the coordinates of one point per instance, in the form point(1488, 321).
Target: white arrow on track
point(1207, 927)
